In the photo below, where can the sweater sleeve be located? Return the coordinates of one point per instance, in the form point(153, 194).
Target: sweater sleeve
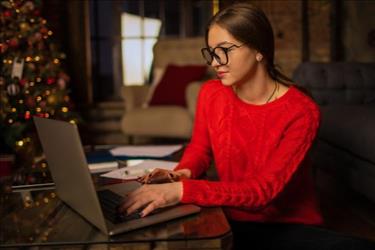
point(197, 155)
point(258, 191)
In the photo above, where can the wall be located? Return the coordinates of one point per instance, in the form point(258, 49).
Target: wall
point(359, 21)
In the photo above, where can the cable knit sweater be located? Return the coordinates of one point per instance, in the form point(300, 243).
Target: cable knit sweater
point(259, 153)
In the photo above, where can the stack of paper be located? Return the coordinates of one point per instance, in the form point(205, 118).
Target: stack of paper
point(135, 171)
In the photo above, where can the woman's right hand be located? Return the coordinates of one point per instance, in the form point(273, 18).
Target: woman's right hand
point(159, 175)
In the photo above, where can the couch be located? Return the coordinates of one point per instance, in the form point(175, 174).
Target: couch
point(345, 145)
point(164, 121)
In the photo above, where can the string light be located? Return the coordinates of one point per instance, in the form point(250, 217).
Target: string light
point(72, 121)
point(31, 84)
point(20, 143)
point(37, 58)
point(48, 92)
point(38, 109)
point(20, 101)
point(28, 59)
point(10, 121)
point(13, 109)
point(64, 109)
point(50, 33)
point(46, 115)
point(38, 79)
point(38, 98)
point(56, 61)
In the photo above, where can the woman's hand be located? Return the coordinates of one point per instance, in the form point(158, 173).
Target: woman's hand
point(164, 176)
point(152, 197)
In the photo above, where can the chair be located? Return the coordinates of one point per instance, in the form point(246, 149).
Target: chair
point(164, 121)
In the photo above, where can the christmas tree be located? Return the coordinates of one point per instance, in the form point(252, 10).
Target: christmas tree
point(32, 83)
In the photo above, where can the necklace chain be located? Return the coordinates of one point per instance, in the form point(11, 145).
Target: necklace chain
point(275, 90)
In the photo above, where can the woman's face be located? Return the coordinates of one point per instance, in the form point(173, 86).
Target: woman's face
point(242, 62)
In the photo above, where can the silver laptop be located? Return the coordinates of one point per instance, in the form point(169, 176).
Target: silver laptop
point(67, 162)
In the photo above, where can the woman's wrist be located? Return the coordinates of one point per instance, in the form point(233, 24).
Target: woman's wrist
point(184, 173)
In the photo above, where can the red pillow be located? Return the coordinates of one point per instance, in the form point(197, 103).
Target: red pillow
point(171, 88)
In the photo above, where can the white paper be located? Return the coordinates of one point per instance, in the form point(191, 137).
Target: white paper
point(150, 151)
point(103, 167)
point(135, 171)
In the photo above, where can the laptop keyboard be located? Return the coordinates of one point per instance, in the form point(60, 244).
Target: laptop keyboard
point(109, 202)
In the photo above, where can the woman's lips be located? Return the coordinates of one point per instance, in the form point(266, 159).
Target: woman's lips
point(221, 74)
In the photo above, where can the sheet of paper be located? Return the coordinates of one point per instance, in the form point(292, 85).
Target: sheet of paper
point(103, 167)
point(135, 171)
point(150, 151)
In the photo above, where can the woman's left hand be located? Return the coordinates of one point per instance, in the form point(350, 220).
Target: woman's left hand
point(151, 197)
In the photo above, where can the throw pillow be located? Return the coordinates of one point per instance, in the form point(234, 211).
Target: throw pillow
point(171, 88)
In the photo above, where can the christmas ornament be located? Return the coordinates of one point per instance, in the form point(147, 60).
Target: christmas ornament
point(17, 69)
point(24, 26)
point(51, 99)
point(3, 47)
point(13, 89)
point(61, 83)
point(13, 42)
point(51, 80)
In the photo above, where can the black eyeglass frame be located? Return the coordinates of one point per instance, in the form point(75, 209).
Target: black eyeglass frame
point(213, 55)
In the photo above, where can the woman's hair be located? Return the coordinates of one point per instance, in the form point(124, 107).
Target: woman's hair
point(250, 25)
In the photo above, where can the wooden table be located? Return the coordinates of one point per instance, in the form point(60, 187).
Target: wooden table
point(38, 218)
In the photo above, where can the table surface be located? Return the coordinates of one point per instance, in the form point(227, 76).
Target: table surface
point(38, 217)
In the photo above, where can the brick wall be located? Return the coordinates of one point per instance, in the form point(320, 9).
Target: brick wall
point(286, 20)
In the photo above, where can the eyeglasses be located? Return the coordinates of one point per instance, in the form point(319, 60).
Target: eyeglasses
point(219, 53)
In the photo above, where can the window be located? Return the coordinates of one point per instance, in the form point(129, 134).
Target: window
point(117, 50)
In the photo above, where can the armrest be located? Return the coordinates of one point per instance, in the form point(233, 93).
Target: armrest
point(192, 92)
point(134, 96)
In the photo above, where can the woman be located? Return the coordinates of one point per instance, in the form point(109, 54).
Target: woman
point(258, 128)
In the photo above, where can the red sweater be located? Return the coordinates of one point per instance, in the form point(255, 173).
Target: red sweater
point(259, 153)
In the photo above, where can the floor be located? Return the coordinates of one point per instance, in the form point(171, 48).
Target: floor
point(344, 210)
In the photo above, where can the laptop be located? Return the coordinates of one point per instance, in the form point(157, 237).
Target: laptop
point(67, 162)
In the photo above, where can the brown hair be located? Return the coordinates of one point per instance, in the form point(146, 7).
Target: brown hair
point(250, 25)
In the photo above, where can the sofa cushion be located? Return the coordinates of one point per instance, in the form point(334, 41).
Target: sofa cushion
point(171, 88)
point(350, 127)
point(158, 121)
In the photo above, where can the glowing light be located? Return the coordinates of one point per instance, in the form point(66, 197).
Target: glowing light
point(46, 115)
point(64, 109)
point(56, 61)
point(32, 20)
point(27, 92)
point(38, 79)
point(50, 33)
point(13, 110)
point(10, 121)
point(20, 101)
point(28, 139)
point(20, 143)
point(38, 98)
point(44, 165)
point(31, 84)
point(48, 92)
point(45, 200)
point(38, 109)
point(72, 121)
point(136, 68)
point(37, 58)
point(29, 59)
point(10, 61)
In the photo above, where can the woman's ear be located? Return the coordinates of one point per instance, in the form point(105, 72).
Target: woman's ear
point(259, 57)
